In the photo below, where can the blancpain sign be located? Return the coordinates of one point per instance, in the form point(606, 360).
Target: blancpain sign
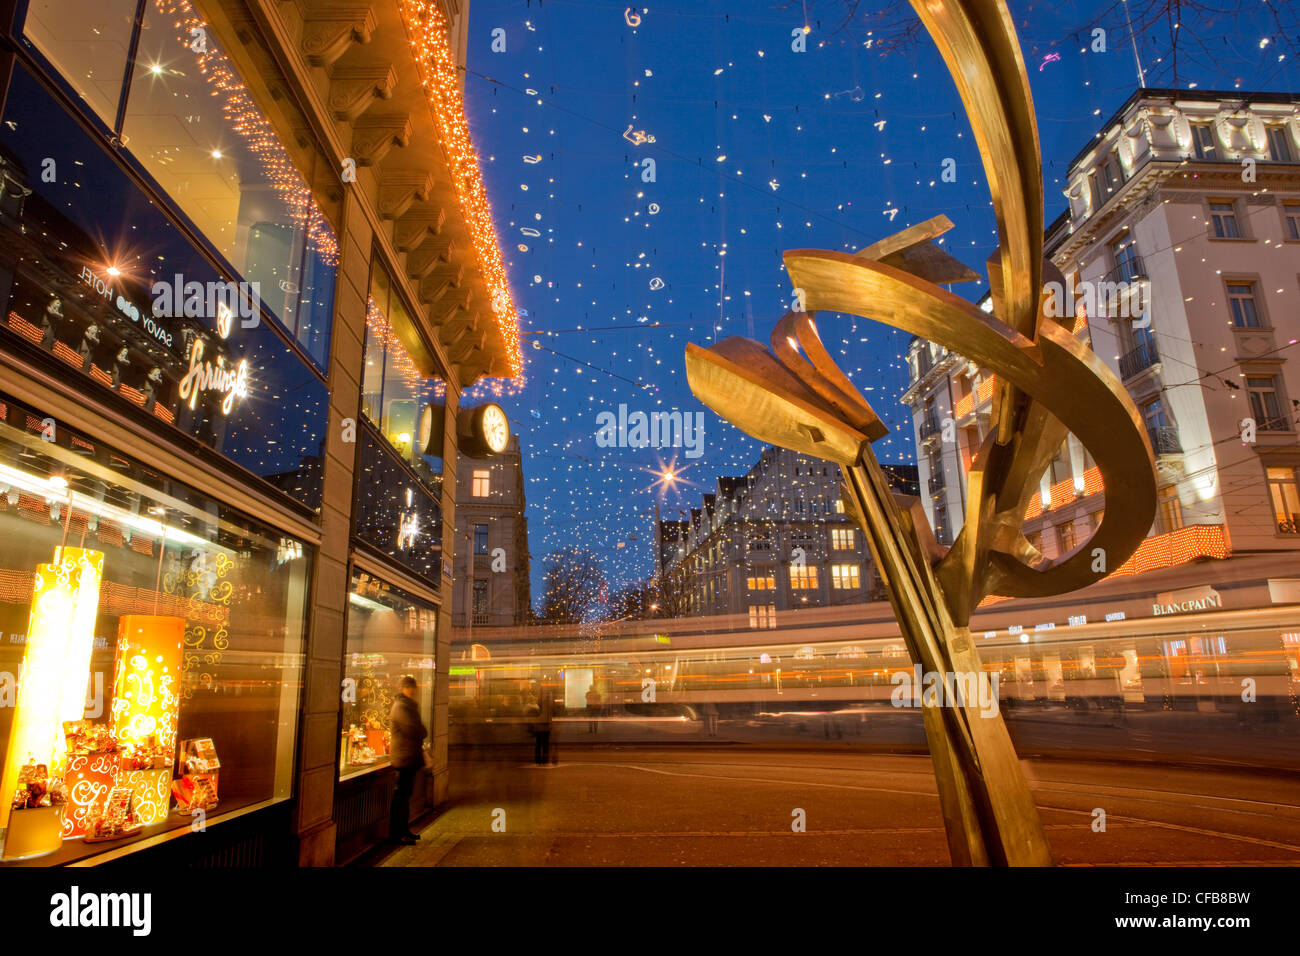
point(1190, 599)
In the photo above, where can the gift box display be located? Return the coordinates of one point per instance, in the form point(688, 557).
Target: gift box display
point(88, 779)
point(197, 789)
point(376, 737)
point(36, 813)
point(114, 818)
point(151, 791)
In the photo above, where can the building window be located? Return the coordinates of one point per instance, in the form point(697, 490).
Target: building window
point(1035, 539)
point(843, 539)
point(1265, 404)
point(482, 482)
point(763, 579)
point(1127, 264)
point(942, 534)
point(798, 507)
point(1223, 218)
point(762, 615)
point(1171, 509)
point(1095, 185)
point(1112, 173)
point(803, 576)
point(1279, 144)
point(1286, 499)
point(1291, 215)
point(1066, 538)
point(480, 539)
point(390, 634)
point(844, 576)
point(1241, 301)
point(1203, 140)
point(480, 602)
point(839, 506)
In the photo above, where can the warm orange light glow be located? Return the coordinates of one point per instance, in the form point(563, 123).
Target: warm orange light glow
point(145, 680)
point(442, 84)
point(58, 625)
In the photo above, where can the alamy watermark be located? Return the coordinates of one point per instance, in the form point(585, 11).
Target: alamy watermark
point(655, 430)
point(930, 689)
point(1124, 300)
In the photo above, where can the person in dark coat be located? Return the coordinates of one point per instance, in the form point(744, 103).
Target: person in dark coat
point(407, 757)
point(542, 729)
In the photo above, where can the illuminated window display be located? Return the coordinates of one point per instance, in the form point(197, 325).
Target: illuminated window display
point(159, 638)
point(390, 633)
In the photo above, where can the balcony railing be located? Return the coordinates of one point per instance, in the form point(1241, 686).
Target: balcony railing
point(929, 428)
point(1127, 270)
point(1164, 440)
point(937, 483)
point(1138, 360)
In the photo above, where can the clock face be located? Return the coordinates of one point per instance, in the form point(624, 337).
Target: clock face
point(496, 428)
point(426, 428)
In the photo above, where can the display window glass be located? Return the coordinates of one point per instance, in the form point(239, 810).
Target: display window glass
point(395, 512)
point(394, 391)
point(390, 634)
point(151, 648)
point(200, 120)
point(82, 250)
point(89, 43)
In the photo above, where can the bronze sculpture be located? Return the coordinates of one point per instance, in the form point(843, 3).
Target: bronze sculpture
point(1048, 384)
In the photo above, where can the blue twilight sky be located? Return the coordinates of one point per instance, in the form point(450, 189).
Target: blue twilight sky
point(757, 149)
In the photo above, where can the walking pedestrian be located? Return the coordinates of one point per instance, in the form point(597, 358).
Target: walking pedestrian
point(542, 729)
point(408, 734)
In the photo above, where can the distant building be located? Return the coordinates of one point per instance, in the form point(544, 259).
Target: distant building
point(773, 539)
point(1191, 201)
point(491, 527)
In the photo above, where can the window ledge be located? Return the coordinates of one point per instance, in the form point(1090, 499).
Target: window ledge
point(1232, 238)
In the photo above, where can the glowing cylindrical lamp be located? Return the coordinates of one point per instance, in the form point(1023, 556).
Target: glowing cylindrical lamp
point(146, 701)
point(88, 572)
point(146, 675)
point(61, 626)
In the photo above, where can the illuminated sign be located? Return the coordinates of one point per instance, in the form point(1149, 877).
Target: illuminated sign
point(1076, 620)
point(125, 306)
point(209, 377)
point(1115, 616)
point(1190, 599)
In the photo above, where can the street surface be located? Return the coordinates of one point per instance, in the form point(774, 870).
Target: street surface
point(705, 805)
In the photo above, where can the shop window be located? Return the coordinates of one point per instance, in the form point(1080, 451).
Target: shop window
point(390, 634)
point(395, 395)
point(88, 249)
point(1241, 302)
point(88, 42)
point(1285, 495)
point(197, 127)
point(115, 578)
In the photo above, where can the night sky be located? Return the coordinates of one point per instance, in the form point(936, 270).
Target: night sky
point(757, 149)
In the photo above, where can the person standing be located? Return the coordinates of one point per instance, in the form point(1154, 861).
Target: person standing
point(542, 729)
point(593, 708)
point(407, 757)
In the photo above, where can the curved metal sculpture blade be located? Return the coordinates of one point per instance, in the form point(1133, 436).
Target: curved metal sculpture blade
point(1048, 384)
point(1055, 371)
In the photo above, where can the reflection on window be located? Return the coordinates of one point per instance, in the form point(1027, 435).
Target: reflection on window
point(195, 127)
point(88, 42)
point(845, 576)
point(803, 576)
point(215, 602)
point(390, 634)
point(394, 393)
